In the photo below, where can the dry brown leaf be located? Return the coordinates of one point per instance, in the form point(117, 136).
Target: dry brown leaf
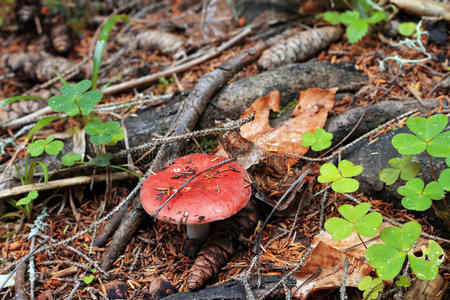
point(310, 113)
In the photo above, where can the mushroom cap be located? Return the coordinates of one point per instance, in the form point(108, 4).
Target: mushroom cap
point(214, 195)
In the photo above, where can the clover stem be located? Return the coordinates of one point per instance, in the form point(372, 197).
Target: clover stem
point(439, 214)
point(435, 178)
point(361, 241)
point(432, 168)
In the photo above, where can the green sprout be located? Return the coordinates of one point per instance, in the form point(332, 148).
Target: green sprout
point(403, 281)
point(427, 136)
point(371, 288)
point(355, 218)
point(357, 27)
point(401, 166)
point(69, 159)
point(48, 145)
point(388, 258)
point(407, 28)
point(104, 133)
point(319, 140)
point(339, 177)
point(25, 204)
point(75, 99)
point(418, 196)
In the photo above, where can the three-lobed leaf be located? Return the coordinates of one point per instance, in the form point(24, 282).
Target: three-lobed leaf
point(401, 238)
point(75, 99)
point(355, 218)
point(102, 133)
point(48, 145)
point(70, 158)
point(427, 136)
point(378, 255)
point(319, 140)
point(403, 281)
point(371, 288)
point(339, 177)
point(444, 179)
point(418, 196)
point(402, 167)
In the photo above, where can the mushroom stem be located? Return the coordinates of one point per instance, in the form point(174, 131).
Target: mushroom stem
point(197, 231)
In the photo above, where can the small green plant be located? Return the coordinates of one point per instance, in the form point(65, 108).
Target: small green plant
point(418, 196)
point(355, 218)
point(407, 28)
point(388, 258)
point(401, 167)
point(427, 136)
point(88, 279)
point(357, 20)
point(319, 140)
point(403, 281)
point(340, 178)
point(75, 99)
point(49, 145)
point(370, 287)
point(100, 133)
point(24, 205)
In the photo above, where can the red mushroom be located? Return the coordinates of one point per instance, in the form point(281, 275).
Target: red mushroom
point(196, 192)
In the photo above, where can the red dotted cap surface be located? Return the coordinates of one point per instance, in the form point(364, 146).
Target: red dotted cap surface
point(214, 195)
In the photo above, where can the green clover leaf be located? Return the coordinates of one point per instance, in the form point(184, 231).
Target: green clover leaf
point(371, 288)
point(424, 270)
point(388, 258)
point(102, 133)
point(401, 238)
point(28, 199)
point(355, 218)
point(48, 145)
point(403, 167)
point(339, 178)
point(427, 136)
point(319, 140)
point(102, 160)
point(75, 99)
point(417, 197)
point(426, 267)
point(403, 281)
point(70, 158)
point(378, 254)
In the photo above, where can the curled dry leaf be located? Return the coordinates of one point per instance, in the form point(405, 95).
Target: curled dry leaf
point(310, 113)
point(332, 262)
point(299, 47)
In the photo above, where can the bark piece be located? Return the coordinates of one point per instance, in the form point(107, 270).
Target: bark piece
point(235, 97)
point(425, 8)
point(19, 286)
point(234, 290)
point(299, 47)
point(374, 116)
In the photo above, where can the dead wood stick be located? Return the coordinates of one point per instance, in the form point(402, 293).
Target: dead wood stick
point(425, 8)
point(193, 107)
point(60, 183)
point(233, 290)
point(153, 77)
point(19, 286)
